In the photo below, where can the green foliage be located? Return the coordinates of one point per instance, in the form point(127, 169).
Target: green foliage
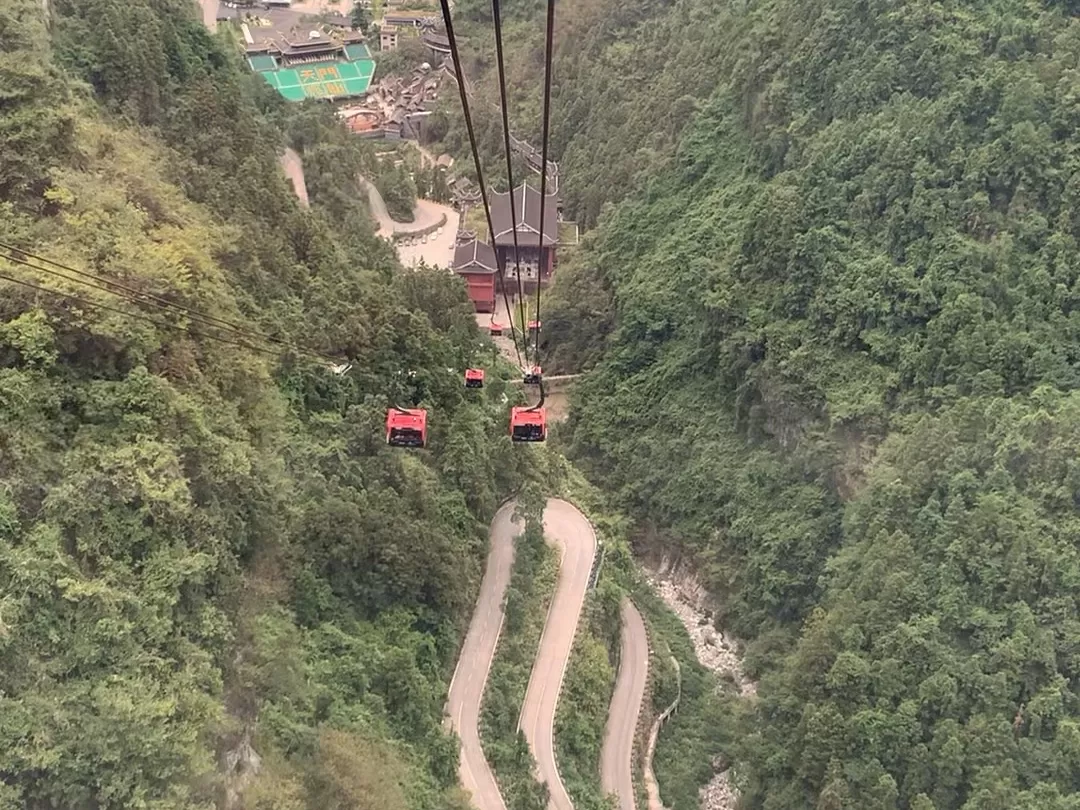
point(431, 184)
point(410, 54)
point(398, 191)
point(866, 245)
point(360, 18)
point(585, 698)
point(528, 595)
point(37, 121)
point(627, 79)
point(208, 555)
point(943, 655)
point(704, 725)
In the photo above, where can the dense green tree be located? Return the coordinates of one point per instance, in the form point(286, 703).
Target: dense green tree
point(209, 559)
point(833, 351)
point(360, 18)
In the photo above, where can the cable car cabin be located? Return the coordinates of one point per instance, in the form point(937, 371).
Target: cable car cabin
point(534, 326)
point(528, 424)
point(533, 377)
point(474, 378)
point(495, 329)
point(406, 427)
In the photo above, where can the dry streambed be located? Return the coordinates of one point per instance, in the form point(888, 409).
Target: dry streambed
point(681, 592)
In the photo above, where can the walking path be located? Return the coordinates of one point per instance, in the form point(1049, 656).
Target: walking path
point(209, 13)
point(652, 787)
point(686, 597)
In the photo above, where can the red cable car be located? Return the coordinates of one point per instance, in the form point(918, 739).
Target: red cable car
point(406, 427)
point(534, 325)
point(533, 377)
point(528, 424)
point(474, 378)
point(495, 329)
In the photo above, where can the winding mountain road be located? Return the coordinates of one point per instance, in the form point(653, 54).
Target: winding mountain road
point(427, 214)
point(474, 663)
point(438, 249)
point(616, 757)
point(573, 535)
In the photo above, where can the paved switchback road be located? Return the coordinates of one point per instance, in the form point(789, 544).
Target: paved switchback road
point(474, 662)
point(572, 534)
point(616, 758)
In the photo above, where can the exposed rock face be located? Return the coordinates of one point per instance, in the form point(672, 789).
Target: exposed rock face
point(719, 794)
point(241, 765)
point(687, 598)
point(682, 592)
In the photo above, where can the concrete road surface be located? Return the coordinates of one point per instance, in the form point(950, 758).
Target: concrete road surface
point(209, 13)
point(474, 662)
point(438, 251)
point(571, 533)
point(616, 758)
point(293, 167)
point(426, 213)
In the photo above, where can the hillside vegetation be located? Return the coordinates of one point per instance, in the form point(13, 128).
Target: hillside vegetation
point(218, 586)
point(626, 80)
point(835, 350)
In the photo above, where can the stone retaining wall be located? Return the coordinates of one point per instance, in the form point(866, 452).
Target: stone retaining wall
point(397, 236)
point(645, 714)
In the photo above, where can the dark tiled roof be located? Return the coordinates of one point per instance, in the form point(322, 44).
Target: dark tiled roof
point(527, 210)
point(474, 256)
point(437, 41)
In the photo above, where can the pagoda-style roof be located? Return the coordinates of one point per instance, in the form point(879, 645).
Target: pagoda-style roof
point(526, 202)
point(474, 256)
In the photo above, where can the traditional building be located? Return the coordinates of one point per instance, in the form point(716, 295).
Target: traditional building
point(475, 262)
point(537, 250)
point(303, 60)
point(420, 21)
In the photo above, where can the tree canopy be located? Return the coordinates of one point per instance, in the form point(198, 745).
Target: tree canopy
point(218, 586)
point(834, 358)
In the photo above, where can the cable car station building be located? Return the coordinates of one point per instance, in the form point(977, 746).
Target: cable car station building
point(536, 244)
point(475, 262)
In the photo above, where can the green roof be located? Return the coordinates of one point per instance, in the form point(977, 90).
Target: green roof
point(261, 62)
point(323, 79)
point(357, 51)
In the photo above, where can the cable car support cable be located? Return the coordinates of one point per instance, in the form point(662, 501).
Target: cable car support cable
point(138, 317)
point(136, 296)
point(497, 16)
point(549, 38)
point(458, 71)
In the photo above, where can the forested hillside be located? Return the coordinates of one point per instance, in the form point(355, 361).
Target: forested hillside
point(626, 79)
point(213, 572)
point(840, 370)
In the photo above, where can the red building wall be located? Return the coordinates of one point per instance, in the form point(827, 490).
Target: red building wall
point(481, 290)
